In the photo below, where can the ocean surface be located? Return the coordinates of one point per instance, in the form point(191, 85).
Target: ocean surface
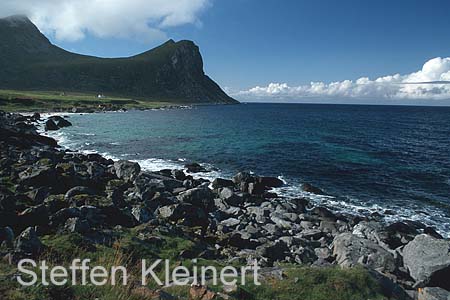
point(394, 160)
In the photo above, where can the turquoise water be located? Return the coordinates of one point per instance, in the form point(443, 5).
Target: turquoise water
point(368, 158)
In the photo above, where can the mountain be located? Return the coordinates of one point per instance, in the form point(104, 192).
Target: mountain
point(170, 72)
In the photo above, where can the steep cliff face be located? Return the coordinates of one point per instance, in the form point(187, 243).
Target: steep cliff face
point(170, 72)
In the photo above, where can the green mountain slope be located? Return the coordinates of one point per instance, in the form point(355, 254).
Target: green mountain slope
point(170, 72)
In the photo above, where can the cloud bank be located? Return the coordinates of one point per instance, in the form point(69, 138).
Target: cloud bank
point(431, 82)
point(70, 20)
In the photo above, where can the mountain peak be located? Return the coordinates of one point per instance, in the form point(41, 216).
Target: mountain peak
point(171, 72)
point(16, 20)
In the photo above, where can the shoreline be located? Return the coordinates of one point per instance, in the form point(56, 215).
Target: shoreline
point(290, 190)
point(237, 220)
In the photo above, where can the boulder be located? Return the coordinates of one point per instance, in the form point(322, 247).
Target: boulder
point(127, 170)
point(78, 190)
point(428, 261)
point(194, 168)
point(274, 251)
point(189, 214)
point(50, 125)
point(433, 293)
point(256, 188)
point(34, 216)
point(38, 176)
point(63, 123)
point(199, 292)
point(243, 177)
point(77, 225)
point(7, 236)
point(141, 214)
point(351, 250)
point(200, 197)
point(28, 242)
point(312, 189)
point(221, 183)
point(228, 195)
point(272, 182)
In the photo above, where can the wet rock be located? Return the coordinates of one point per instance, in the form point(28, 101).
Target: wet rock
point(428, 261)
point(50, 125)
point(312, 189)
point(178, 175)
point(243, 177)
point(256, 188)
point(60, 121)
point(194, 168)
point(271, 182)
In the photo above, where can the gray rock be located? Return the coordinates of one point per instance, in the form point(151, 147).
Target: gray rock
point(220, 183)
point(78, 190)
point(274, 251)
point(428, 261)
point(433, 293)
point(312, 234)
point(243, 177)
point(228, 195)
point(28, 242)
point(127, 170)
point(77, 225)
point(200, 197)
point(280, 221)
point(141, 214)
point(351, 250)
point(231, 222)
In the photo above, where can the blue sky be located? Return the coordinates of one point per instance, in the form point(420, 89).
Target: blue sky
point(249, 43)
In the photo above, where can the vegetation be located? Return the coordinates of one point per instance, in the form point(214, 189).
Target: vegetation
point(172, 72)
point(27, 101)
point(302, 283)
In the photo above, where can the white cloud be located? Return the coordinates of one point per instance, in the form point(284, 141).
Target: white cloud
point(141, 19)
point(427, 83)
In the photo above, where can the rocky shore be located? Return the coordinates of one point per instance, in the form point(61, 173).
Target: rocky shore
point(46, 190)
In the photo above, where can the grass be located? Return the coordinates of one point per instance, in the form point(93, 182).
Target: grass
point(27, 101)
point(302, 283)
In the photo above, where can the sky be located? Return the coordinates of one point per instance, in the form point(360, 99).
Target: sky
point(346, 51)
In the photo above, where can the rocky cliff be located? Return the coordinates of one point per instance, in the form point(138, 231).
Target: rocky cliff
point(170, 72)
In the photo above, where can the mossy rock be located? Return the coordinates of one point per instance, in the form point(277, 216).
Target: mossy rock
point(56, 202)
point(92, 200)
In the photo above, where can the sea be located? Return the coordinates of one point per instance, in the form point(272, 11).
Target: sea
point(388, 160)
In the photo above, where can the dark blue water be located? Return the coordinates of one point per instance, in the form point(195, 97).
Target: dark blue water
point(369, 158)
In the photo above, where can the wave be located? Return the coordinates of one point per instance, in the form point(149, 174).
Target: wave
point(429, 215)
